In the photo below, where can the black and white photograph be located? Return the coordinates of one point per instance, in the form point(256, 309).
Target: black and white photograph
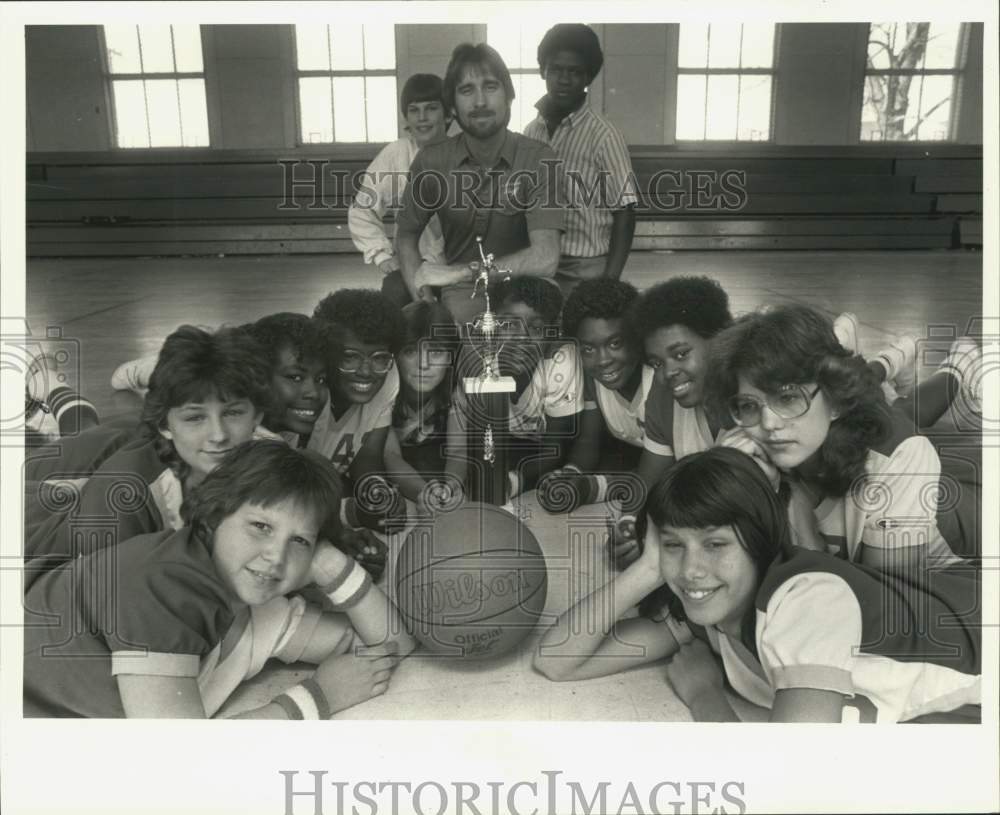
point(520, 407)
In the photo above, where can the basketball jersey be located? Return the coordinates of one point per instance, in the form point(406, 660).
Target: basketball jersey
point(896, 651)
point(340, 439)
point(673, 430)
point(895, 506)
point(624, 418)
point(555, 390)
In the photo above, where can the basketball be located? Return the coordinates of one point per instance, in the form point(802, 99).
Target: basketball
point(472, 583)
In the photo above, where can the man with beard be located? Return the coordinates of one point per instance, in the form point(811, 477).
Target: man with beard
point(486, 182)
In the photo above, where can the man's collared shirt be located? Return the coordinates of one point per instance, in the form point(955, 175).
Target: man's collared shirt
point(599, 177)
point(520, 193)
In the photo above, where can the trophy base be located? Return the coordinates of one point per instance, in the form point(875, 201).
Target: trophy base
point(493, 384)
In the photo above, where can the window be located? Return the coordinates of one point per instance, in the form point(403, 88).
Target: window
point(518, 45)
point(347, 83)
point(157, 85)
point(724, 80)
point(910, 80)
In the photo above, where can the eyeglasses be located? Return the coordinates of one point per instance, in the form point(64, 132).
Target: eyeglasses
point(353, 361)
point(790, 402)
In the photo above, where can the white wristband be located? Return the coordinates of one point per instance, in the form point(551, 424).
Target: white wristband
point(602, 489)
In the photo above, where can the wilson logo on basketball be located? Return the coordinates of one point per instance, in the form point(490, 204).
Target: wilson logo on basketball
point(465, 591)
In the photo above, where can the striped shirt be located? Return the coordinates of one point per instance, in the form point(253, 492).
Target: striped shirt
point(599, 176)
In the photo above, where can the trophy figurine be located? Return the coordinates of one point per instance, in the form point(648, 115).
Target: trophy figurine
point(486, 393)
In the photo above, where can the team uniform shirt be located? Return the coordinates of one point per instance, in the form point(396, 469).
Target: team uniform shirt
point(895, 506)
point(341, 439)
point(595, 158)
point(895, 650)
point(554, 390)
point(163, 611)
point(382, 191)
point(417, 425)
point(625, 419)
point(674, 430)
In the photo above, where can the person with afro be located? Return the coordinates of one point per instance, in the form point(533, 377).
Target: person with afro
point(600, 184)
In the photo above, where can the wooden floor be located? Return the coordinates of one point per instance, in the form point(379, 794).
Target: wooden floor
point(119, 308)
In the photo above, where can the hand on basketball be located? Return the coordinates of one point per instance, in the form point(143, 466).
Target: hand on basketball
point(563, 490)
point(366, 548)
point(439, 494)
point(694, 671)
point(739, 439)
point(360, 674)
point(623, 543)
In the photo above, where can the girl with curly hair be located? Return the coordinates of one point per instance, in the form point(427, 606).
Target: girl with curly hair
point(804, 634)
point(863, 483)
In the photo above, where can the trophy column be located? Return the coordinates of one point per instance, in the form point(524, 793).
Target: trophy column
point(487, 399)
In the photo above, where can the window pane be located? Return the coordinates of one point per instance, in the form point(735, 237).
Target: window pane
point(873, 107)
point(187, 48)
point(311, 48)
point(720, 107)
point(724, 46)
point(758, 46)
point(349, 109)
point(942, 46)
point(690, 107)
point(506, 39)
point(380, 46)
point(692, 46)
point(531, 36)
point(382, 112)
point(122, 42)
point(194, 112)
point(755, 108)
point(935, 108)
point(164, 115)
point(880, 39)
point(130, 113)
point(315, 110)
point(157, 50)
point(528, 89)
point(346, 47)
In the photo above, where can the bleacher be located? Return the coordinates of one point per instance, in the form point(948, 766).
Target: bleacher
point(210, 201)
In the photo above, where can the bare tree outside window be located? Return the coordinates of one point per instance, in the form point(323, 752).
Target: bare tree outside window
point(910, 81)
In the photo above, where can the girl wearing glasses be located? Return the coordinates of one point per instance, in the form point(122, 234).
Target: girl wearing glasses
point(863, 483)
point(802, 633)
point(365, 332)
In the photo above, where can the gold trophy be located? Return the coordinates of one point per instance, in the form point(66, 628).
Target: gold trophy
point(487, 393)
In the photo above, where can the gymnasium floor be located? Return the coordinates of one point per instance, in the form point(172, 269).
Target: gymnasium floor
point(120, 308)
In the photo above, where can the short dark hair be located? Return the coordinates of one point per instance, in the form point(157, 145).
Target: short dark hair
point(368, 314)
point(265, 472)
point(601, 298)
point(722, 487)
point(542, 295)
point(286, 329)
point(422, 88)
point(482, 56)
point(575, 37)
point(194, 364)
point(698, 303)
